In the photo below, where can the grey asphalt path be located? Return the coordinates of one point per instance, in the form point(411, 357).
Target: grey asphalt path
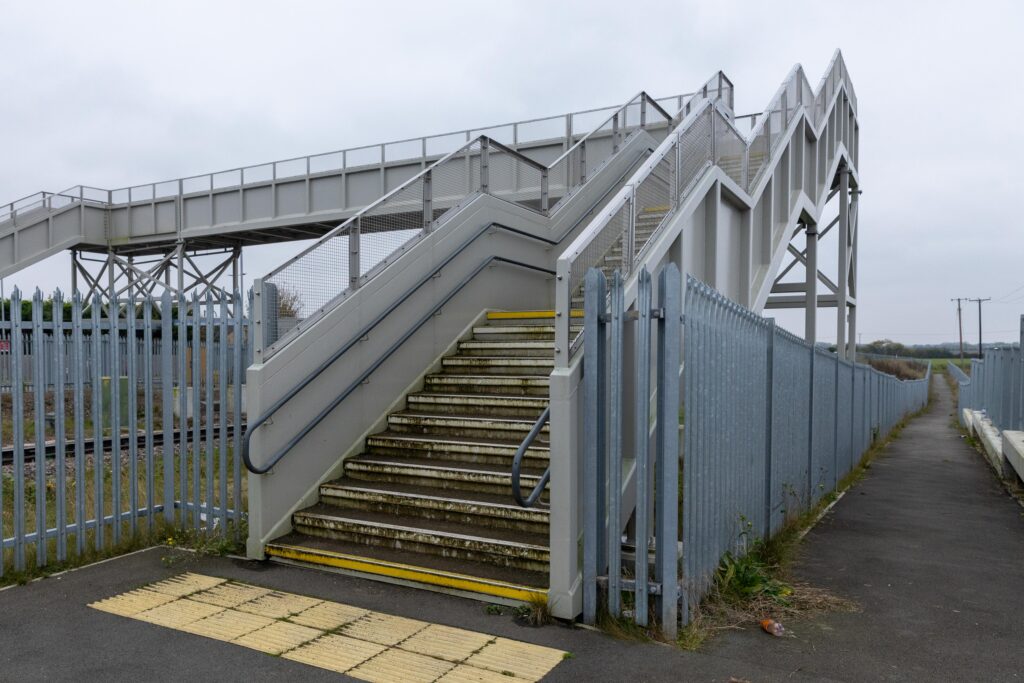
point(47, 633)
point(931, 548)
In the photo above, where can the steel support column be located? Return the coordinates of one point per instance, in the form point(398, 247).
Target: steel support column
point(843, 262)
point(811, 284)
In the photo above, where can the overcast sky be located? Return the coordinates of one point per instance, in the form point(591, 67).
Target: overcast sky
point(111, 94)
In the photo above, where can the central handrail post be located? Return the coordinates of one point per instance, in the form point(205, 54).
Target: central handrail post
point(354, 233)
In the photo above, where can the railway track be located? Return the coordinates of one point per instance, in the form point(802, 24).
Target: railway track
point(89, 445)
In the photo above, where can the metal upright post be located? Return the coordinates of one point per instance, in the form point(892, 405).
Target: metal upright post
point(594, 393)
point(485, 165)
point(428, 201)
point(843, 262)
point(811, 285)
point(641, 447)
point(614, 543)
point(667, 448)
point(353, 252)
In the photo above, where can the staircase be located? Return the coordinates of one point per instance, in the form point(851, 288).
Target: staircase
point(429, 501)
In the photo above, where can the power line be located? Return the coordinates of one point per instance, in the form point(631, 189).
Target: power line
point(1004, 297)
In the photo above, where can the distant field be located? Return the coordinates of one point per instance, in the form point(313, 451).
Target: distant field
point(939, 364)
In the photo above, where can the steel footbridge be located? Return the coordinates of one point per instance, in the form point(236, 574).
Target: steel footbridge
point(414, 403)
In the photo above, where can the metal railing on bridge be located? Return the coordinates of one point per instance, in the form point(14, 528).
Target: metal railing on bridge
point(707, 136)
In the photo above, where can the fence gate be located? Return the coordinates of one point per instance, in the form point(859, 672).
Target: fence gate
point(629, 460)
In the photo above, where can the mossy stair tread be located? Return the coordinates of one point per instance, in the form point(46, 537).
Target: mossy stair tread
point(454, 469)
point(412, 491)
point(426, 562)
point(430, 527)
point(539, 446)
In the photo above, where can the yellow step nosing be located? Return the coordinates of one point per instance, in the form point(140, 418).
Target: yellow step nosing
point(529, 315)
point(395, 570)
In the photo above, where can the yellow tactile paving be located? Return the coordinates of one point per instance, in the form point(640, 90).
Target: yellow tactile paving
point(335, 653)
point(178, 613)
point(278, 605)
point(132, 602)
point(328, 616)
point(367, 645)
point(278, 637)
point(383, 628)
point(397, 666)
point(230, 594)
point(227, 625)
point(445, 642)
point(470, 674)
point(184, 584)
point(522, 660)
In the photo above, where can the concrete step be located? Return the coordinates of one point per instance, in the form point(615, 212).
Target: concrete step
point(508, 349)
point(436, 537)
point(443, 449)
point(513, 332)
point(498, 385)
point(470, 426)
point(468, 507)
point(479, 580)
point(500, 318)
point(452, 477)
point(495, 365)
point(481, 405)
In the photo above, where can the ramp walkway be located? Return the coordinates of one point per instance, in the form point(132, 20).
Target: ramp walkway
point(931, 548)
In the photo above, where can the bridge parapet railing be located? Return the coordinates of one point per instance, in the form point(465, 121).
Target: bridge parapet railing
point(52, 201)
point(708, 134)
point(304, 288)
point(562, 129)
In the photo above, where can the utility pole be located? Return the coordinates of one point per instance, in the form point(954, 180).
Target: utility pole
point(960, 326)
point(981, 353)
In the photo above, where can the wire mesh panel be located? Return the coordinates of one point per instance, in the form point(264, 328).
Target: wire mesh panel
point(695, 145)
point(311, 281)
point(604, 250)
point(513, 178)
point(730, 149)
point(653, 200)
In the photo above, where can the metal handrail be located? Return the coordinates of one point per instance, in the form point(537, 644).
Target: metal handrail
point(485, 142)
point(334, 232)
point(250, 430)
point(517, 463)
point(642, 96)
point(254, 425)
point(382, 146)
